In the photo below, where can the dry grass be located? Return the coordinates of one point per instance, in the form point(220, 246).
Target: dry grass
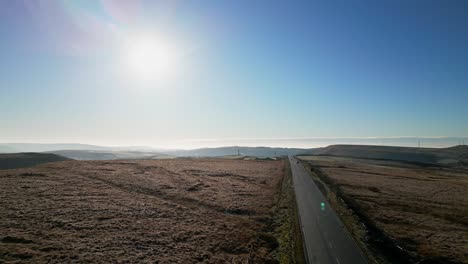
point(424, 210)
point(139, 211)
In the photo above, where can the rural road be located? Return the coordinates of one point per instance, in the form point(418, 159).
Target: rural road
point(325, 238)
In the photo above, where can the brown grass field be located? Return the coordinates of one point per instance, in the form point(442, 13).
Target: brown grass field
point(421, 209)
point(139, 211)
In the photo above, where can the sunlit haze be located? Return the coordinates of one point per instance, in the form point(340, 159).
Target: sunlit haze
point(186, 74)
point(150, 58)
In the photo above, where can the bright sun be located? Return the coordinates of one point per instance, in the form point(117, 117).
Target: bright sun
point(150, 58)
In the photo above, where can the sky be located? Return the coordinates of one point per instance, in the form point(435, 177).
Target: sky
point(161, 73)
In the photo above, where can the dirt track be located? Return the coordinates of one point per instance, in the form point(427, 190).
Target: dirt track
point(178, 211)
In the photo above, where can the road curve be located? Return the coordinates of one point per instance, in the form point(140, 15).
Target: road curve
point(326, 240)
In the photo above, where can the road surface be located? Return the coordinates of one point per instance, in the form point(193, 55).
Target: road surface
point(325, 238)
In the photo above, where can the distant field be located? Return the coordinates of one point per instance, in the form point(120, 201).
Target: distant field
point(140, 211)
point(424, 209)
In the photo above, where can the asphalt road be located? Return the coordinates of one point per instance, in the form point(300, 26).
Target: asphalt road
point(325, 238)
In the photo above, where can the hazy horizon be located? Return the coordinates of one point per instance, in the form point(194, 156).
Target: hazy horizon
point(408, 141)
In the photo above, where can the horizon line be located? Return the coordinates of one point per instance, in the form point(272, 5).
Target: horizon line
point(240, 144)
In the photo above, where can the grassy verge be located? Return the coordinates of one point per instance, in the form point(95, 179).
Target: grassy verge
point(285, 224)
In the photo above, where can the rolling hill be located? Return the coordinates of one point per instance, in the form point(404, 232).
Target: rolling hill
point(452, 155)
point(22, 160)
point(108, 155)
point(43, 147)
point(244, 151)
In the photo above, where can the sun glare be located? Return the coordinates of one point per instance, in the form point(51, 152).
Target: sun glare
point(150, 58)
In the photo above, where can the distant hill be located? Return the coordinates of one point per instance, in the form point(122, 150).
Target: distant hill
point(93, 152)
point(22, 160)
point(108, 155)
point(203, 152)
point(452, 155)
point(244, 151)
point(35, 147)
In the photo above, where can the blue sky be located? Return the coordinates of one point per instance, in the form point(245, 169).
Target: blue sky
point(247, 69)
